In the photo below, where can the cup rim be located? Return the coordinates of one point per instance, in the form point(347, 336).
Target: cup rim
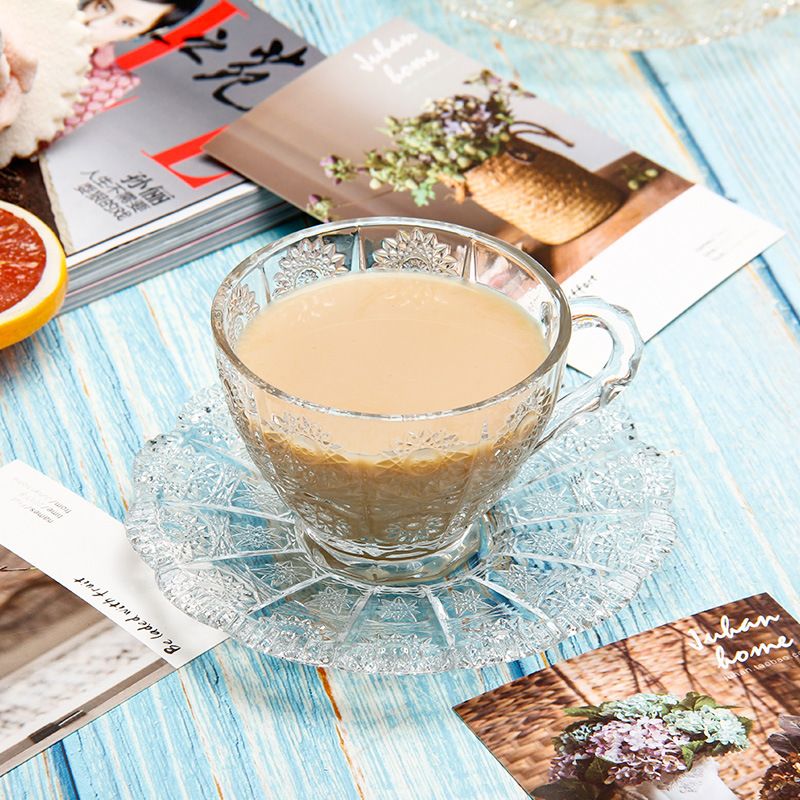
point(522, 259)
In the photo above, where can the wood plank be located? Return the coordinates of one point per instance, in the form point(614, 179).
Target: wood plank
point(254, 726)
point(46, 415)
point(46, 777)
point(282, 719)
point(737, 102)
point(191, 736)
point(404, 740)
point(146, 747)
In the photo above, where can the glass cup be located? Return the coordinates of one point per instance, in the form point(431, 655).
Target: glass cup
point(395, 498)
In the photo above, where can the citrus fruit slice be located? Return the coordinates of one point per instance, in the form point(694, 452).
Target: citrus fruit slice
point(33, 274)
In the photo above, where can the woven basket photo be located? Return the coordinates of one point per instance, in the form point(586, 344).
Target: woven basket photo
point(474, 145)
point(542, 193)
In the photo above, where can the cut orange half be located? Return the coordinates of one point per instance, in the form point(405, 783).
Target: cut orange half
point(33, 274)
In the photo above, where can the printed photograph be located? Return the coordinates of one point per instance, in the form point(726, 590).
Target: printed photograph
point(402, 125)
point(705, 708)
point(62, 662)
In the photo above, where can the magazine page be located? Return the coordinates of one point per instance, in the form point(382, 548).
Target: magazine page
point(83, 625)
point(401, 124)
point(158, 88)
point(705, 708)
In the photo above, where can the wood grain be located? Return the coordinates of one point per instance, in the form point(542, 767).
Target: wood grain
point(716, 389)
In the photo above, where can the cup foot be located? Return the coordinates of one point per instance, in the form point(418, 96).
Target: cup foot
point(422, 569)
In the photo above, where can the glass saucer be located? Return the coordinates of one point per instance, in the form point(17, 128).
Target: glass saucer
point(568, 545)
point(622, 24)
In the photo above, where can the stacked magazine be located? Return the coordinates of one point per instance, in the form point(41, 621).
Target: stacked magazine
point(126, 186)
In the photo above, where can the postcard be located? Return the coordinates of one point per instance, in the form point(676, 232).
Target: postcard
point(705, 708)
point(400, 124)
point(83, 624)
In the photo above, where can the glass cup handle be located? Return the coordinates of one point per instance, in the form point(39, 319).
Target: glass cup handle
point(626, 351)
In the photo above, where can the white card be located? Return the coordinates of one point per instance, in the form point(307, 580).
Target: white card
point(691, 244)
point(86, 550)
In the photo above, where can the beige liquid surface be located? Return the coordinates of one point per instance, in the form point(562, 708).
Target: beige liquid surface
point(393, 343)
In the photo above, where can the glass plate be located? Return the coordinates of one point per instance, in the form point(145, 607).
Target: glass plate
point(622, 24)
point(568, 545)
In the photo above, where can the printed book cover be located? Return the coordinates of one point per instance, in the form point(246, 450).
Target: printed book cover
point(164, 78)
point(704, 708)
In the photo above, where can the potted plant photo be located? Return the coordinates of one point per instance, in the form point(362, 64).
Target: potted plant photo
point(478, 148)
point(650, 746)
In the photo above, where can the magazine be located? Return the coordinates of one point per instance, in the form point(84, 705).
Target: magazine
point(126, 185)
point(705, 708)
point(83, 625)
point(399, 124)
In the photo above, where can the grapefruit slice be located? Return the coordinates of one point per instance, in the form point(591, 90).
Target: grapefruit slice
point(33, 274)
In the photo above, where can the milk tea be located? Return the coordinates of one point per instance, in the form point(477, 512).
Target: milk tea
point(393, 343)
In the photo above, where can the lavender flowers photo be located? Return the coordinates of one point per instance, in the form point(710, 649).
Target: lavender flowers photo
point(648, 741)
point(703, 708)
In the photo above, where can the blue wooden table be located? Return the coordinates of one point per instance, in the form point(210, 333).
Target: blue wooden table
point(718, 390)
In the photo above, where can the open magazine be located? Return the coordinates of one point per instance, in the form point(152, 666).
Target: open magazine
point(126, 185)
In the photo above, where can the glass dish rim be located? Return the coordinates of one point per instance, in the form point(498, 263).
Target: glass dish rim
point(628, 37)
point(522, 259)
